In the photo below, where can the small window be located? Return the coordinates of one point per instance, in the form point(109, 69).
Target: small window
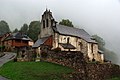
point(47, 23)
point(43, 23)
point(51, 22)
point(81, 45)
point(68, 40)
point(64, 38)
point(61, 39)
point(92, 48)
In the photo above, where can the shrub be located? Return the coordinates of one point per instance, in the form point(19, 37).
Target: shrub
point(57, 49)
point(44, 55)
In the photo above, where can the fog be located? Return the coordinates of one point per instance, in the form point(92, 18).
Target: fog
point(101, 17)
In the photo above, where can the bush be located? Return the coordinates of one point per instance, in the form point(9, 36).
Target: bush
point(15, 59)
point(57, 49)
point(44, 55)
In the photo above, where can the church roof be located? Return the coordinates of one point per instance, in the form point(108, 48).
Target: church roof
point(65, 30)
point(39, 42)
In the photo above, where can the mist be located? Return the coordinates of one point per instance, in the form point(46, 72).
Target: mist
point(101, 17)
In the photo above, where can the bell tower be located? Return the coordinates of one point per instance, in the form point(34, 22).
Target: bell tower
point(47, 22)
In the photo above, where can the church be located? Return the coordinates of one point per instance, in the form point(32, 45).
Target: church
point(53, 35)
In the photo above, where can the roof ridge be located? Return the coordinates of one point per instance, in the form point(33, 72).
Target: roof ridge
point(73, 32)
point(70, 27)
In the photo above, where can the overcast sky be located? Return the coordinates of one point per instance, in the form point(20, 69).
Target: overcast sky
point(101, 17)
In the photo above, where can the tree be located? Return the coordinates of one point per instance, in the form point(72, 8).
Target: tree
point(66, 22)
point(101, 42)
point(24, 28)
point(34, 29)
point(16, 30)
point(4, 27)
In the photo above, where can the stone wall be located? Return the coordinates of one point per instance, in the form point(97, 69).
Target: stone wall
point(102, 71)
point(89, 49)
point(83, 70)
point(78, 43)
point(26, 55)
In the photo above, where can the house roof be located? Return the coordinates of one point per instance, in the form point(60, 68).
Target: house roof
point(73, 32)
point(19, 35)
point(39, 42)
point(4, 36)
point(67, 45)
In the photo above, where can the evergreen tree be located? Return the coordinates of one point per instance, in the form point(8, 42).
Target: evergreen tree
point(4, 27)
point(16, 30)
point(66, 22)
point(24, 28)
point(34, 30)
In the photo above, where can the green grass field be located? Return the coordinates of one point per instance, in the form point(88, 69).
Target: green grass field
point(34, 71)
point(116, 78)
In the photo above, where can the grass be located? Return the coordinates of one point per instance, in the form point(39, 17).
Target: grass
point(34, 71)
point(115, 78)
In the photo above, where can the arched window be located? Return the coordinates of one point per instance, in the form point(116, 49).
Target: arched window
point(47, 23)
point(51, 22)
point(92, 48)
point(43, 23)
point(68, 40)
point(81, 45)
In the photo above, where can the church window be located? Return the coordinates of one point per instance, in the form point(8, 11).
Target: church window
point(68, 40)
point(47, 23)
point(81, 45)
point(92, 48)
point(51, 22)
point(43, 23)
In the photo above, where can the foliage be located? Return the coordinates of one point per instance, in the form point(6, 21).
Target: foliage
point(16, 30)
point(34, 55)
point(4, 27)
point(57, 49)
point(115, 78)
point(34, 29)
point(44, 55)
point(24, 28)
point(66, 22)
point(101, 42)
point(34, 71)
point(2, 48)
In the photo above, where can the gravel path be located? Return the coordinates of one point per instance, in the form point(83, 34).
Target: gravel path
point(7, 57)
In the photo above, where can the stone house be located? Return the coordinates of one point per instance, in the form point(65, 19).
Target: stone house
point(53, 35)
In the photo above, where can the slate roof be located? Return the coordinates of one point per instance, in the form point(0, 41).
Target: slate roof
point(67, 46)
point(19, 35)
point(39, 42)
point(73, 32)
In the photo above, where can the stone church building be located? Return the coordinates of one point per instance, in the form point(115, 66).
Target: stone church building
point(54, 35)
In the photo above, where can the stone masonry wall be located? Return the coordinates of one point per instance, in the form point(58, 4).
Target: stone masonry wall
point(83, 70)
point(102, 71)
